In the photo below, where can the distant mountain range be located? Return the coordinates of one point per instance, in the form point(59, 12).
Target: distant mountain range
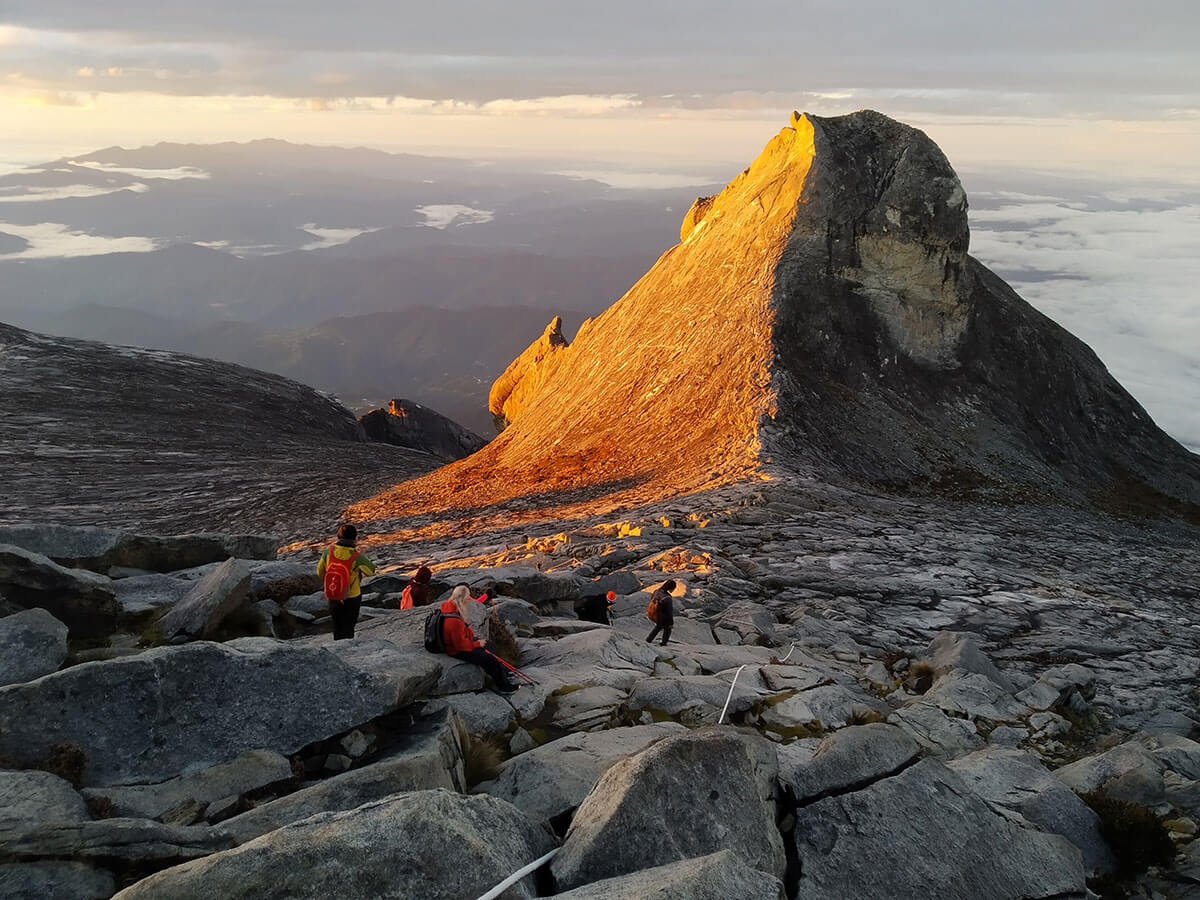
point(369, 274)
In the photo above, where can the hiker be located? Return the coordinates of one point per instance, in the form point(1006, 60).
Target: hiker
point(664, 618)
point(461, 643)
point(595, 609)
point(342, 567)
point(416, 592)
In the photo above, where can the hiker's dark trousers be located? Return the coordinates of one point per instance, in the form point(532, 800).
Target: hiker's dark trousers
point(487, 662)
point(666, 633)
point(345, 617)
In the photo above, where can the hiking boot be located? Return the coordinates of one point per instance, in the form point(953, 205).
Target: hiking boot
point(509, 687)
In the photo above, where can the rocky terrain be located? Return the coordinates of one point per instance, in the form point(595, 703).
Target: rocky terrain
point(408, 424)
point(983, 682)
point(106, 435)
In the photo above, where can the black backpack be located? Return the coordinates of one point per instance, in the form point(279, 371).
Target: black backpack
point(435, 642)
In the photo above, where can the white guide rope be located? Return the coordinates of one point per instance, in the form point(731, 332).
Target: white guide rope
point(730, 697)
point(518, 875)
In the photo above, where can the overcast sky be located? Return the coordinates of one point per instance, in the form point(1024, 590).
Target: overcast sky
point(1087, 83)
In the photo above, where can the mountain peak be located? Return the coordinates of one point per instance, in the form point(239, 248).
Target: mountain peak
point(820, 315)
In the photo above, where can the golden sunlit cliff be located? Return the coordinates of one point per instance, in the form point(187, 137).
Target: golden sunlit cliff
point(820, 315)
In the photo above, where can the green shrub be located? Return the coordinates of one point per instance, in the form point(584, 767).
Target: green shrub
point(1136, 835)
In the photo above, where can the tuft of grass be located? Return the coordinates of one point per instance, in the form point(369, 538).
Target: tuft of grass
point(66, 761)
point(1136, 835)
point(503, 642)
point(481, 757)
point(864, 715)
point(100, 807)
point(919, 678)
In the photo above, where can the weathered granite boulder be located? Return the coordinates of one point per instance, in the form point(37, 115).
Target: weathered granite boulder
point(57, 880)
point(80, 599)
point(960, 650)
point(924, 833)
point(149, 717)
point(212, 598)
point(1018, 781)
point(31, 799)
point(108, 841)
point(250, 771)
point(688, 795)
point(145, 593)
point(701, 697)
point(482, 714)
point(718, 876)
point(32, 643)
point(967, 695)
point(857, 755)
point(1128, 772)
point(426, 845)
point(595, 656)
point(553, 779)
point(100, 549)
point(938, 734)
point(408, 424)
point(1056, 687)
point(428, 757)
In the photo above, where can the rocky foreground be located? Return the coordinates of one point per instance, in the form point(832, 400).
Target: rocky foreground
point(955, 700)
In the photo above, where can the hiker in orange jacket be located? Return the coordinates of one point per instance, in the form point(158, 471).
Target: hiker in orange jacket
point(461, 642)
point(345, 613)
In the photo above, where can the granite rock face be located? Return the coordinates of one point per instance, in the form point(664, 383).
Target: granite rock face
point(82, 600)
point(876, 842)
point(32, 643)
point(148, 717)
point(643, 811)
point(357, 854)
point(408, 424)
point(202, 610)
point(527, 373)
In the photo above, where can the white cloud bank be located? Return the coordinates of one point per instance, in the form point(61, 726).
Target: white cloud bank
point(1121, 272)
point(48, 240)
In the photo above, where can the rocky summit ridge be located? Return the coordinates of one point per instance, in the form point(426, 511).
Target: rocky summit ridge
point(821, 316)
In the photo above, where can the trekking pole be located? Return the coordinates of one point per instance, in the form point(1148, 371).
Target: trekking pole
point(510, 668)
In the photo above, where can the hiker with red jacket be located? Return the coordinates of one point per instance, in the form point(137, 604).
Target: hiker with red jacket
point(664, 619)
point(416, 592)
point(342, 567)
point(461, 643)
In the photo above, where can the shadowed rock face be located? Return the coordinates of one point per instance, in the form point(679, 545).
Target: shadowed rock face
point(152, 440)
point(821, 315)
point(408, 424)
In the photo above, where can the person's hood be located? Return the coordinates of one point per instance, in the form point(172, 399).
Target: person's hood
point(449, 607)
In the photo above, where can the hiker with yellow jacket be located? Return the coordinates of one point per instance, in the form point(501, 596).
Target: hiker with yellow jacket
point(342, 568)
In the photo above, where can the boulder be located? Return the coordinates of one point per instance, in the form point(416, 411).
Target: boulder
point(82, 600)
point(250, 771)
point(482, 714)
point(718, 876)
point(701, 697)
point(149, 717)
point(688, 795)
point(1018, 781)
point(57, 880)
point(553, 779)
point(412, 846)
point(145, 593)
point(1055, 688)
point(960, 650)
point(29, 800)
point(855, 756)
point(587, 709)
point(824, 706)
point(1127, 772)
point(752, 622)
point(938, 734)
point(428, 757)
point(212, 598)
point(620, 583)
point(596, 656)
point(408, 424)
point(966, 695)
point(126, 841)
point(100, 549)
point(32, 643)
point(924, 833)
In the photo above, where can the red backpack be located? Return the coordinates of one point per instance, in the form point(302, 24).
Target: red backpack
point(406, 597)
point(338, 575)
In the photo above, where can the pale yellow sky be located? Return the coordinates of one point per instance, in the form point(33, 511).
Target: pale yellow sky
point(618, 129)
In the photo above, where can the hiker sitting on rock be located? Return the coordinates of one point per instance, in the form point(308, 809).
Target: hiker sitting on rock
point(461, 643)
point(661, 611)
point(342, 568)
point(595, 609)
point(416, 592)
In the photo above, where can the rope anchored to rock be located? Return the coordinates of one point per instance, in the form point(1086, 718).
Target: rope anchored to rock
point(518, 875)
